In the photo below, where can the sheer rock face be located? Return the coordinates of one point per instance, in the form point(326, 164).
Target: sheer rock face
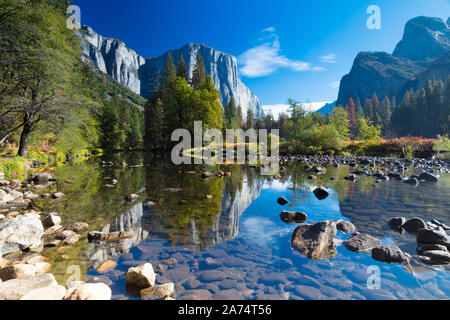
point(423, 53)
point(113, 57)
point(142, 75)
point(424, 38)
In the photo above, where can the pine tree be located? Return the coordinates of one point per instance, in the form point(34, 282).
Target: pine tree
point(250, 121)
point(231, 115)
point(376, 109)
point(182, 70)
point(170, 72)
point(359, 113)
point(386, 117)
point(368, 109)
point(199, 73)
point(240, 117)
point(350, 108)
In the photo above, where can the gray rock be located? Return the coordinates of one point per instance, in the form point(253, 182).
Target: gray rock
point(20, 233)
point(396, 222)
point(132, 197)
point(436, 236)
point(315, 240)
point(428, 177)
point(345, 227)
point(17, 271)
point(351, 177)
point(321, 193)
point(414, 224)
point(52, 220)
point(142, 276)
point(42, 178)
point(390, 254)
point(52, 292)
point(89, 291)
point(361, 243)
point(293, 217)
point(282, 201)
point(431, 247)
point(17, 288)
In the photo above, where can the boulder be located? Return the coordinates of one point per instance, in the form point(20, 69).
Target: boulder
point(430, 247)
point(58, 195)
point(389, 254)
point(351, 177)
point(20, 233)
point(436, 236)
point(414, 224)
point(51, 292)
point(78, 227)
point(361, 243)
point(17, 288)
point(52, 220)
point(282, 201)
point(42, 178)
point(396, 222)
point(321, 193)
point(293, 217)
point(5, 197)
point(412, 181)
point(425, 176)
point(89, 291)
point(315, 240)
point(17, 271)
point(112, 236)
point(142, 276)
point(30, 195)
point(345, 227)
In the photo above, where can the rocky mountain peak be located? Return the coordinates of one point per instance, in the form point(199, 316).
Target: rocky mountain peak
point(143, 75)
point(424, 38)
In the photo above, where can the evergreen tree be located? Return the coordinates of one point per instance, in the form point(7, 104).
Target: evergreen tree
point(359, 113)
point(170, 72)
point(350, 108)
point(182, 70)
point(199, 73)
point(368, 109)
point(240, 117)
point(250, 121)
point(231, 115)
point(386, 117)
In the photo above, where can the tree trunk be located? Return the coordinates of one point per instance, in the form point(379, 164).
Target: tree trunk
point(23, 140)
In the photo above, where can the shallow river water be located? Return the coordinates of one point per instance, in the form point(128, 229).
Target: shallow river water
point(234, 245)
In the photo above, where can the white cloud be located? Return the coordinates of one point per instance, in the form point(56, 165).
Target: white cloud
point(266, 58)
point(329, 58)
point(335, 84)
point(277, 109)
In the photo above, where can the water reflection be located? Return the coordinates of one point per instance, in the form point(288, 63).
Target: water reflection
point(232, 226)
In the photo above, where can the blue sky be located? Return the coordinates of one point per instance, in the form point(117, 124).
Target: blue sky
point(285, 49)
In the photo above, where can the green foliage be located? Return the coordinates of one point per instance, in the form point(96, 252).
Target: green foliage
point(14, 168)
point(442, 146)
point(425, 112)
point(367, 131)
point(199, 73)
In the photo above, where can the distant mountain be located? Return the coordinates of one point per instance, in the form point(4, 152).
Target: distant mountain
point(423, 53)
point(143, 75)
point(327, 108)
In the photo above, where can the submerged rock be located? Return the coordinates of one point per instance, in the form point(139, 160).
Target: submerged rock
point(390, 254)
point(112, 236)
point(397, 222)
point(425, 176)
point(321, 193)
point(315, 240)
point(351, 177)
point(345, 227)
point(361, 243)
point(282, 201)
point(293, 217)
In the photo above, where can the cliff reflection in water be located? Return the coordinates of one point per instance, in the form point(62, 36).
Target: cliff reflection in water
point(181, 213)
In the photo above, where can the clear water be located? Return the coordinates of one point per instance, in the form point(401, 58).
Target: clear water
point(234, 245)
